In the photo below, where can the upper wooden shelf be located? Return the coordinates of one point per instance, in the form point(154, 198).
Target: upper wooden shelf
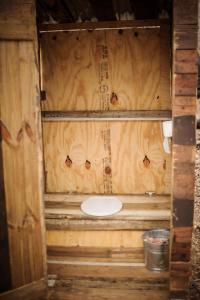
point(101, 25)
point(137, 115)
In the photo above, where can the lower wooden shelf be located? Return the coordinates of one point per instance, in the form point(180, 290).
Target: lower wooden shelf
point(108, 282)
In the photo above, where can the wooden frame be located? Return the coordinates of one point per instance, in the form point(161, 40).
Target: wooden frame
point(184, 143)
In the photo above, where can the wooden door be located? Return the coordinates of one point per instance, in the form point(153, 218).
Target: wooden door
point(21, 142)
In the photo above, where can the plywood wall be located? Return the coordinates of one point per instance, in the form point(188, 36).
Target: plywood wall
point(106, 69)
point(106, 157)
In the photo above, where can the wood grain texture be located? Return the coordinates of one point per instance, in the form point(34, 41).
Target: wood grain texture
point(185, 61)
point(17, 20)
point(139, 213)
point(136, 115)
point(20, 116)
point(121, 146)
point(185, 37)
point(100, 64)
point(185, 12)
point(97, 254)
point(36, 290)
point(107, 239)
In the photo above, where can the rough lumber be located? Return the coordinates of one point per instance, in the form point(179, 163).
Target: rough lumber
point(36, 290)
point(17, 20)
point(53, 116)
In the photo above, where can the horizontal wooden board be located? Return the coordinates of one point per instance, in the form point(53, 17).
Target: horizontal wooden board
point(104, 294)
point(65, 271)
point(95, 254)
point(141, 115)
point(185, 61)
point(106, 157)
point(95, 238)
point(185, 12)
point(122, 24)
point(106, 69)
point(185, 37)
point(185, 84)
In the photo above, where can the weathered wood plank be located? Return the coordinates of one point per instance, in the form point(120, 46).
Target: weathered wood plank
point(185, 12)
point(185, 37)
point(136, 273)
point(36, 290)
point(17, 20)
point(53, 116)
point(22, 159)
point(185, 84)
point(95, 254)
point(101, 25)
point(99, 239)
point(183, 210)
point(94, 225)
point(111, 294)
point(185, 61)
point(184, 130)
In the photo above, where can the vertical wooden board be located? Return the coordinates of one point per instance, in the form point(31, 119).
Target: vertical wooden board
point(88, 67)
point(21, 160)
point(139, 163)
point(81, 142)
point(115, 151)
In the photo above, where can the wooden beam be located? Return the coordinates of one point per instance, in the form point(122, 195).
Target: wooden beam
point(36, 290)
point(101, 25)
point(53, 116)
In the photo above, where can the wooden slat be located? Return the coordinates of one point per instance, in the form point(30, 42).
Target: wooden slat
point(114, 239)
point(51, 116)
point(185, 37)
point(65, 271)
point(184, 61)
point(185, 12)
point(116, 294)
point(17, 20)
point(22, 167)
point(36, 290)
point(95, 254)
point(100, 25)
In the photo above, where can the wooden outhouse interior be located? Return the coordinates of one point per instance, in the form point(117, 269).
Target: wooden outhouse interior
point(82, 112)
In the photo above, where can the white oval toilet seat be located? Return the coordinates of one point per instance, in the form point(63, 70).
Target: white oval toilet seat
point(100, 206)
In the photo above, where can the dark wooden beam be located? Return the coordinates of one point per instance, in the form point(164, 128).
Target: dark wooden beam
point(106, 115)
point(101, 25)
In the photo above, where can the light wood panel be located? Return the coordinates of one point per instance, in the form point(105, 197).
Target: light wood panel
point(22, 160)
point(95, 238)
point(106, 157)
point(106, 69)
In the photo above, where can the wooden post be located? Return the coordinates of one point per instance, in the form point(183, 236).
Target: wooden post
point(21, 141)
point(184, 109)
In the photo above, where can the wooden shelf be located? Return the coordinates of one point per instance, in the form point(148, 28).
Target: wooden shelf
point(136, 115)
point(113, 282)
point(139, 212)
